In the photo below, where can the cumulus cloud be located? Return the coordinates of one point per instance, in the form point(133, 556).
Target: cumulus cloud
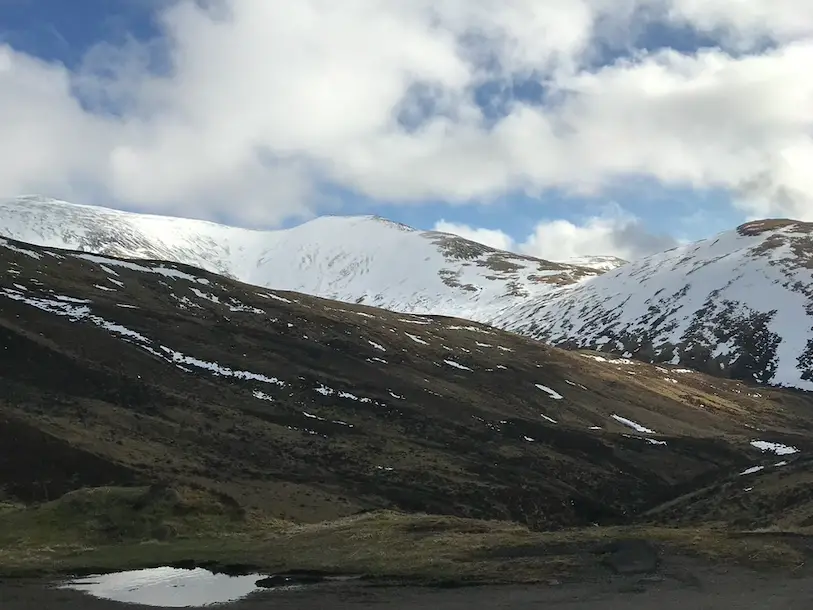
point(494, 238)
point(622, 236)
point(746, 24)
point(269, 104)
point(613, 233)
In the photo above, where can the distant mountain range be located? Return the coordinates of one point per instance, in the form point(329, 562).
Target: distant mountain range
point(362, 259)
point(737, 304)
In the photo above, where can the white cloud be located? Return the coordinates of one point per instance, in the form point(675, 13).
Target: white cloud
point(494, 238)
point(614, 233)
point(618, 235)
point(746, 23)
point(267, 101)
point(46, 138)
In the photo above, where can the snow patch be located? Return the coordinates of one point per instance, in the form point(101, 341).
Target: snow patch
point(776, 448)
point(457, 365)
point(205, 295)
point(269, 295)
point(552, 393)
point(31, 253)
point(163, 270)
point(416, 339)
point(631, 424)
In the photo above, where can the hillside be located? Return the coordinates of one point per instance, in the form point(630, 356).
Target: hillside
point(123, 372)
point(361, 259)
point(736, 305)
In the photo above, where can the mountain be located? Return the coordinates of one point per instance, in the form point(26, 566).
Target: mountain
point(363, 259)
point(737, 304)
point(124, 372)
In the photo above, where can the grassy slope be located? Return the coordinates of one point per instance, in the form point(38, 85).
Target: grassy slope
point(104, 411)
point(81, 408)
point(108, 529)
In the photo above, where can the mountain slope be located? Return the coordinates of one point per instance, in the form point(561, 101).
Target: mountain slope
point(357, 259)
point(737, 305)
point(124, 372)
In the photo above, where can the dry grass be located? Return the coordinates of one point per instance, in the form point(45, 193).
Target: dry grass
point(421, 548)
point(455, 442)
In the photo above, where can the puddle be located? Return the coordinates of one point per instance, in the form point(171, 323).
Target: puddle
point(168, 587)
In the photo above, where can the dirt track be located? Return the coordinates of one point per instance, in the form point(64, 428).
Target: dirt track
point(734, 589)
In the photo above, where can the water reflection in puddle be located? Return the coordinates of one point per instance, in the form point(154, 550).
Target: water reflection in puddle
point(169, 587)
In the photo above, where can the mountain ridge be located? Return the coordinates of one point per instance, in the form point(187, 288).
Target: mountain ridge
point(737, 304)
point(364, 259)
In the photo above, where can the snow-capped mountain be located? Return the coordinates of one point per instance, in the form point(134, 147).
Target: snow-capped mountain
point(363, 259)
point(737, 304)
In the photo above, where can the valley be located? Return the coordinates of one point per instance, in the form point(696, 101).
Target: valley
point(231, 424)
point(406, 305)
point(154, 413)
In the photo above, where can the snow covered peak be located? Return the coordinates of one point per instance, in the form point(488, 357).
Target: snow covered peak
point(364, 259)
point(737, 304)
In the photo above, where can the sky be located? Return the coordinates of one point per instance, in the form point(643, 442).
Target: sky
point(555, 128)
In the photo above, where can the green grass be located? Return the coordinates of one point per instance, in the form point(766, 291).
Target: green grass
point(109, 529)
point(118, 515)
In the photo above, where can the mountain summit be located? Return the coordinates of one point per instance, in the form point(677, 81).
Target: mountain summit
point(363, 259)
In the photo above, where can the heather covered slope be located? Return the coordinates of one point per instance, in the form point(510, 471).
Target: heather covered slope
point(132, 372)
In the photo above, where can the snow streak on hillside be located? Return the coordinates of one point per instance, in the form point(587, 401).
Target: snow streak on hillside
point(362, 259)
